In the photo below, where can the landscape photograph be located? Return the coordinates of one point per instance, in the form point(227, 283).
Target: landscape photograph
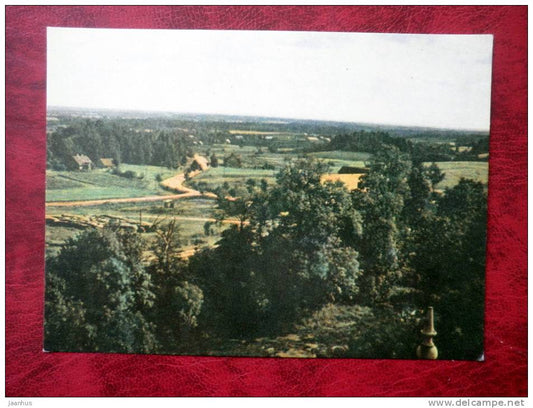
point(266, 193)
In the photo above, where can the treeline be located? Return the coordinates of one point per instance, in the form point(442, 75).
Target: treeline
point(114, 139)
point(421, 151)
point(395, 246)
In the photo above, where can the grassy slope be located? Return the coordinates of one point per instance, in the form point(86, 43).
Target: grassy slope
point(101, 184)
point(453, 171)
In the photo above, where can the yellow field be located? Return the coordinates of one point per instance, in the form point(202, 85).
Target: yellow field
point(350, 180)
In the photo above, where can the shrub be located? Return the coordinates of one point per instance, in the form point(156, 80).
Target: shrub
point(387, 333)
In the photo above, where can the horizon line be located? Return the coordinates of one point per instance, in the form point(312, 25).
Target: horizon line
point(383, 124)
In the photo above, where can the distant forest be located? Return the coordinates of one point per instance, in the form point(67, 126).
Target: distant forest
point(372, 142)
point(116, 140)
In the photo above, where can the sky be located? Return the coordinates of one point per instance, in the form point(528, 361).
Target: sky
point(395, 79)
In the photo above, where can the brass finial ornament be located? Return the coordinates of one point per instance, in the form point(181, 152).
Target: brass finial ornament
point(427, 350)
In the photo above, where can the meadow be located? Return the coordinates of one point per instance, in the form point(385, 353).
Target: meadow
point(217, 176)
point(103, 184)
point(454, 171)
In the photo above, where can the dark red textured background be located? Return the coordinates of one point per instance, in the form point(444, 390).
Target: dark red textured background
point(30, 372)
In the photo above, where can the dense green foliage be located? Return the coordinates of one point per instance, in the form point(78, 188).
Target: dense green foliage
point(97, 293)
point(100, 296)
point(382, 201)
point(449, 259)
point(372, 142)
point(177, 301)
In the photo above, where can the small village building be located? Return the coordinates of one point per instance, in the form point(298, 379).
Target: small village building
point(82, 162)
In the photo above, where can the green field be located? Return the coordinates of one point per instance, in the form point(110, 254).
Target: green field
point(453, 171)
point(150, 172)
point(102, 184)
point(217, 176)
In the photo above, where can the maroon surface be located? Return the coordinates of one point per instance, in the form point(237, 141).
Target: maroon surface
point(30, 372)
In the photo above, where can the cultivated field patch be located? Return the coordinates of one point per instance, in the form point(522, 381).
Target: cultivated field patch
point(351, 181)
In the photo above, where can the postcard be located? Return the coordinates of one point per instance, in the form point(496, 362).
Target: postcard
point(266, 193)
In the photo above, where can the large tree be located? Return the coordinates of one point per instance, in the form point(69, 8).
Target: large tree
point(381, 200)
point(97, 294)
point(178, 301)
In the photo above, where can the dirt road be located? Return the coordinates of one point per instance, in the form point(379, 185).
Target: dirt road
point(176, 183)
point(122, 200)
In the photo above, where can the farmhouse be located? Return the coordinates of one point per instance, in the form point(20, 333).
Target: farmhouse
point(82, 162)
